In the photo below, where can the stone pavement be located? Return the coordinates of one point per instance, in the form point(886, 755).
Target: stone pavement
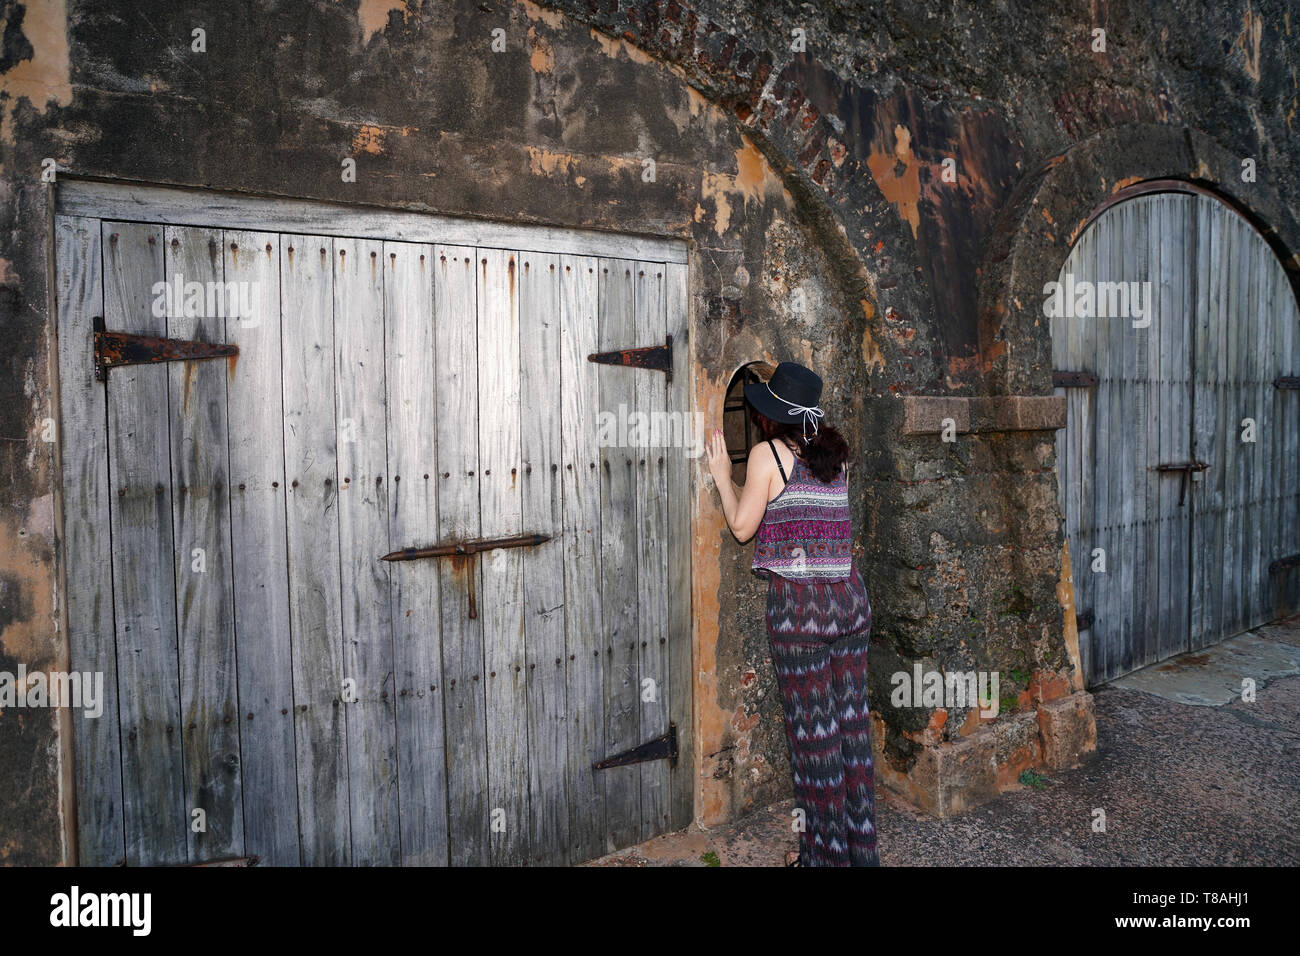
point(1186, 773)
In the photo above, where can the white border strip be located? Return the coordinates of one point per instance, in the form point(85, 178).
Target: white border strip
point(195, 207)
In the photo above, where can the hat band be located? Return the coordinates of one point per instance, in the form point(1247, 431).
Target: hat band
point(811, 413)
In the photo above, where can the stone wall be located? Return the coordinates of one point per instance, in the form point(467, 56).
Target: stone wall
point(809, 183)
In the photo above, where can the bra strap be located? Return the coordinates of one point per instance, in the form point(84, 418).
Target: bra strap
point(784, 479)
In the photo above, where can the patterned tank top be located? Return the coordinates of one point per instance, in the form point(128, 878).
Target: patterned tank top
point(806, 533)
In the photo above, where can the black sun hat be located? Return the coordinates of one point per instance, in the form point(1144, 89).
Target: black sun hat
point(790, 395)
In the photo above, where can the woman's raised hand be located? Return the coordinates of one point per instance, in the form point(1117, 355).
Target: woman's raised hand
point(719, 459)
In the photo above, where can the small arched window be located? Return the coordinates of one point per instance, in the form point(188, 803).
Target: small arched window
point(737, 427)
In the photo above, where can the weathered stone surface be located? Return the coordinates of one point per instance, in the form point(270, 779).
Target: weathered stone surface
point(924, 414)
point(1018, 413)
point(819, 171)
point(1068, 730)
point(927, 414)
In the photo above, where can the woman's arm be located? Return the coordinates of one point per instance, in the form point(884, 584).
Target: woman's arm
point(744, 507)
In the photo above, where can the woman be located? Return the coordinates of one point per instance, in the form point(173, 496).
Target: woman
point(818, 614)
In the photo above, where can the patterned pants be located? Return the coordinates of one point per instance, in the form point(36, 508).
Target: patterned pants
point(819, 634)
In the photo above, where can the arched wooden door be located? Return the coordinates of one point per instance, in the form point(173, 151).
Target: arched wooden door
point(1176, 339)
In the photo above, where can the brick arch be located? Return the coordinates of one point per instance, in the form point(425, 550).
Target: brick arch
point(773, 114)
point(1051, 206)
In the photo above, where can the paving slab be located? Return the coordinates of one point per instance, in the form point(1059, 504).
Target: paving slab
point(1187, 773)
point(1216, 675)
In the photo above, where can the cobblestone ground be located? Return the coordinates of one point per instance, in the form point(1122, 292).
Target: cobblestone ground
point(1185, 776)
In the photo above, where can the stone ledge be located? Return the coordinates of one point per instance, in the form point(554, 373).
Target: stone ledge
point(950, 778)
point(924, 414)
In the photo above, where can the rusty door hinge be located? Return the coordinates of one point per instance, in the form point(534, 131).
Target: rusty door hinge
point(1083, 621)
point(656, 357)
point(665, 745)
point(473, 546)
point(1287, 381)
point(1073, 379)
point(113, 349)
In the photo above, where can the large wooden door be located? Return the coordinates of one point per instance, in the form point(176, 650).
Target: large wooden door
point(1178, 523)
point(274, 688)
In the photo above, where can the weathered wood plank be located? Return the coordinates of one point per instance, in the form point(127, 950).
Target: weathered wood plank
point(1286, 590)
point(1210, 422)
point(201, 541)
point(1105, 634)
point(1288, 485)
point(1194, 304)
point(1136, 268)
point(1272, 359)
point(619, 566)
point(1129, 267)
point(1202, 413)
point(1166, 292)
point(541, 381)
point(579, 400)
point(156, 815)
point(651, 403)
point(1168, 575)
point(1255, 457)
point(1183, 402)
point(214, 209)
point(361, 409)
point(254, 408)
point(1231, 555)
point(85, 556)
point(501, 503)
point(413, 511)
point(1280, 477)
point(683, 461)
point(1266, 370)
point(456, 366)
point(1247, 331)
point(1227, 557)
point(1225, 424)
point(1253, 331)
point(307, 303)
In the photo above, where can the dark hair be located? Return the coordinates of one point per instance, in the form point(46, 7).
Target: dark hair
point(824, 453)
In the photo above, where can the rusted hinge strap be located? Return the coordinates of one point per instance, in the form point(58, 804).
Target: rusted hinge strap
point(460, 548)
point(665, 745)
point(113, 349)
point(1062, 379)
point(1281, 564)
point(656, 357)
point(466, 547)
point(1287, 381)
point(1083, 621)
